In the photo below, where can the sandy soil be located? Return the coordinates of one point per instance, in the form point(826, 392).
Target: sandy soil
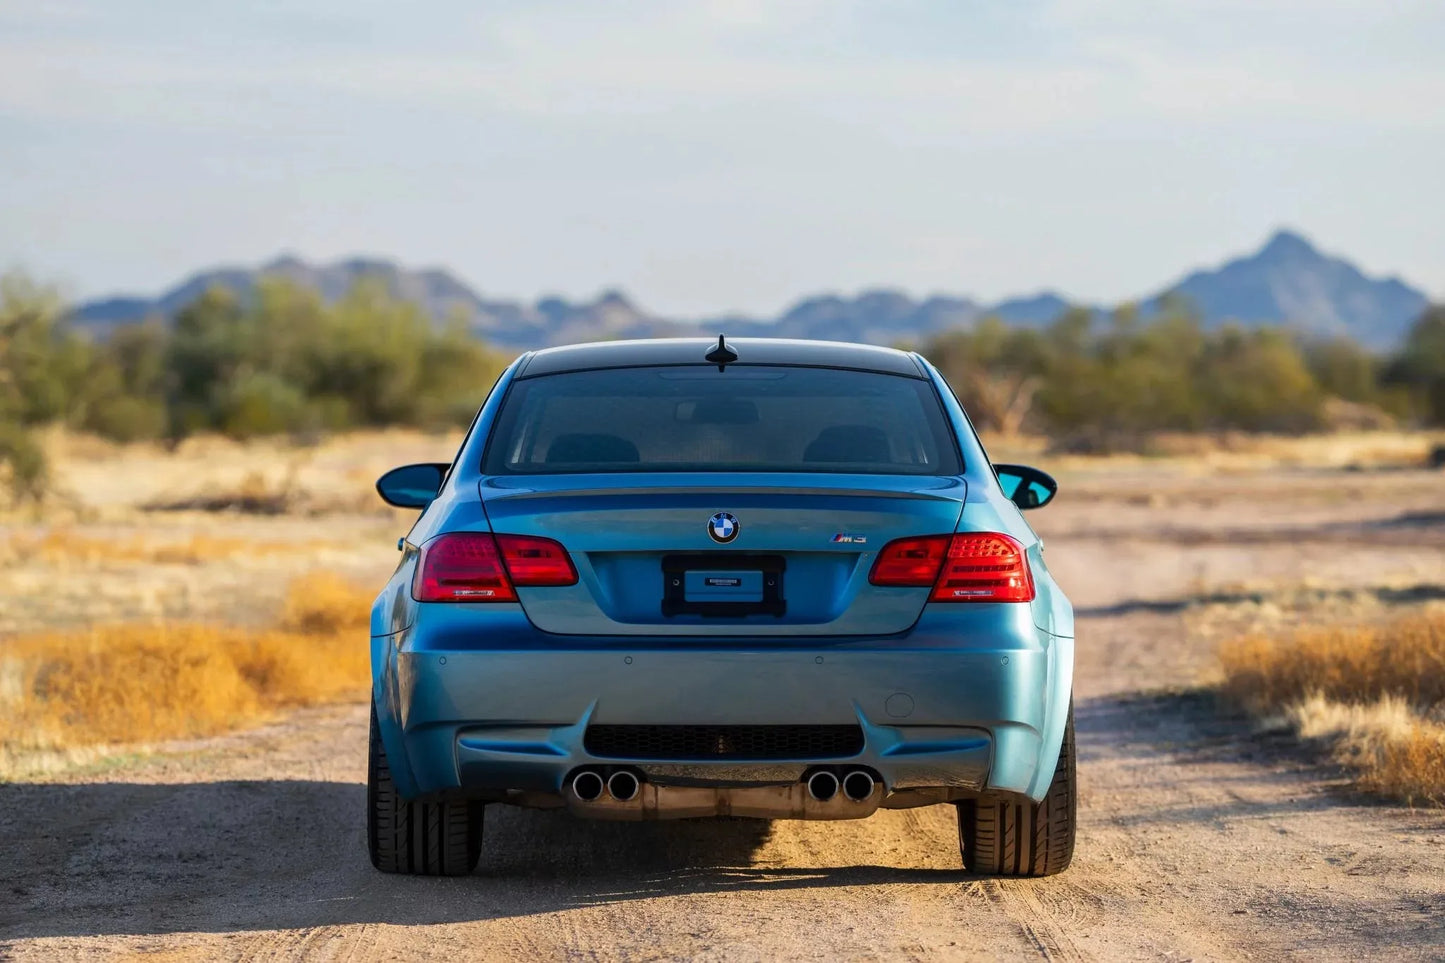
point(1198, 839)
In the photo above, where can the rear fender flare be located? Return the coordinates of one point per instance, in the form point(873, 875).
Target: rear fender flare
point(1059, 697)
point(385, 699)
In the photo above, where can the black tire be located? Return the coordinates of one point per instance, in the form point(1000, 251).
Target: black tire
point(421, 838)
point(1011, 837)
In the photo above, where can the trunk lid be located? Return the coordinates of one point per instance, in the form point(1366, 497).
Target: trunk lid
point(647, 564)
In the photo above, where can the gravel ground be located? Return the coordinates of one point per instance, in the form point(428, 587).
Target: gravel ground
point(1198, 840)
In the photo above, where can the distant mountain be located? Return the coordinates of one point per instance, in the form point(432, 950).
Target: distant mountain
point(1286, 282)
point(508, 324)
point(1289, 282)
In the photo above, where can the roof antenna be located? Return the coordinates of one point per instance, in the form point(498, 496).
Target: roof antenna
point(722, 355)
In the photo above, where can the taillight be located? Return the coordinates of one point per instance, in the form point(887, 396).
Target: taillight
point(480, 567)
point(536, 561)
point(984, 567)
point(910, 561)
point(967, 567)
point(462, 567)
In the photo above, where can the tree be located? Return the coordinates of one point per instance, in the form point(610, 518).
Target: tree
point(42, 377)
point(1420, 365)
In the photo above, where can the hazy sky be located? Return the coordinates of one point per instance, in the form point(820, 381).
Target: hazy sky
point(707, 156)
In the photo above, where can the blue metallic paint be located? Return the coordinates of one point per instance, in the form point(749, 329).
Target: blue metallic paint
point(476, 696)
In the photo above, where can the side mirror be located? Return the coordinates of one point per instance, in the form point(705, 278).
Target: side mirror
point(1026, 487)
point(411, 486)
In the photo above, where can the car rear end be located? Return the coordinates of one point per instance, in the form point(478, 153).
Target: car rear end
point(789, 585)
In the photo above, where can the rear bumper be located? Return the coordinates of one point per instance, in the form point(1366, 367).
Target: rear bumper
point(478, 702)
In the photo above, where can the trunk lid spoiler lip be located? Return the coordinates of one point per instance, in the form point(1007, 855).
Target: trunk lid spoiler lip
point(947, 488)
point(956, 495)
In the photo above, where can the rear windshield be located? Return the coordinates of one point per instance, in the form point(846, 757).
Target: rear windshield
point(758, 419)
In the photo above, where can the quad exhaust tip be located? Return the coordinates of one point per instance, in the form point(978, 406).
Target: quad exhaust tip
point(587, 786)
point(623, 786)
point(822, 785)
point(858, 785)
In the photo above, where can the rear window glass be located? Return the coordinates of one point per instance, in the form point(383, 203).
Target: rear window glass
point(761, 419)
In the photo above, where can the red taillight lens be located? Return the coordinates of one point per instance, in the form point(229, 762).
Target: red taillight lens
point(479, 567)
point(536, 561)
point(967, 567)
point(910, 561)
point(462, 567)
point(984, 567)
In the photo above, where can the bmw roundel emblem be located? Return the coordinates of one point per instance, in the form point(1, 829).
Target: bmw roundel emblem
point(723, 527)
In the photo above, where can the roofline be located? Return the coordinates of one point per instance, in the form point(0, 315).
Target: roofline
point(689, 352)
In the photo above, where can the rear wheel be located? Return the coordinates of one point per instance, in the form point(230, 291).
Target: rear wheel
point(1018, 838)
point(421, 838)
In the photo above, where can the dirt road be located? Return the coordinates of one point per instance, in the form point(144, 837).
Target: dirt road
point(1197, 840)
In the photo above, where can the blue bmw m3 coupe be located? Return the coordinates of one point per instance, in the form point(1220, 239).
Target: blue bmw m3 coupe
point(685, 578)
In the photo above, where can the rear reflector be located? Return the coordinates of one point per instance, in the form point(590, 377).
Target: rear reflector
point(480, 567)
point(966, 567)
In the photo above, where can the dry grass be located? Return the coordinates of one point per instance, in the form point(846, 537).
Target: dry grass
point(62, 546)
point(255, 494)
point(1234, 451)
point(277, 477)
point(129, 684)
point(1375, 694)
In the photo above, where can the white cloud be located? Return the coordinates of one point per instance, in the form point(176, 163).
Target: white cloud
point(1095, 63)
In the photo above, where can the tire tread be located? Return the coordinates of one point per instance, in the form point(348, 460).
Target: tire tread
point(420, 838)
point(1010, 837)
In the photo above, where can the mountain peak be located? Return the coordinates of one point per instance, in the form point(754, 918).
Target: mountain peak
point(614, 298)
point(1290, 282)
point(285, 261)
point(1287, 243)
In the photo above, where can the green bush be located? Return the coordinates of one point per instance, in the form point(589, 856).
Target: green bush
point(127, 418)
point(23, 469)
point(1101, 386)
point(1419, 368)
point(282, 360)
point(260, 403)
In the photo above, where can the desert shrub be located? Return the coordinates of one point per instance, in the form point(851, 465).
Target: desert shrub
point(1419, 368)
point(1098, 384)
point(128, 418)
point(43, 372)
point(24, 473)
point(281, 359)
point(1342, 663)
point(284, 361)
point(260, 403)
point(1372, 694)
point(323, 603)
point(126, 383)
point(1344, 369)
point(144, 683)
point(1257, 381)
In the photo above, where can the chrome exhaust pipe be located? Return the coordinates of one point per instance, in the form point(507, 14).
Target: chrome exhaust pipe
point(623, 786)
point(587, 786)
point(822, 785)
point(858, 785)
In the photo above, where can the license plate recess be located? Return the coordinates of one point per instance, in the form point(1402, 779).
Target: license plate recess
point(726, 585)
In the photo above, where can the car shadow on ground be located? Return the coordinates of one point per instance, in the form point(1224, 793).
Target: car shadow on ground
point(148, 858)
